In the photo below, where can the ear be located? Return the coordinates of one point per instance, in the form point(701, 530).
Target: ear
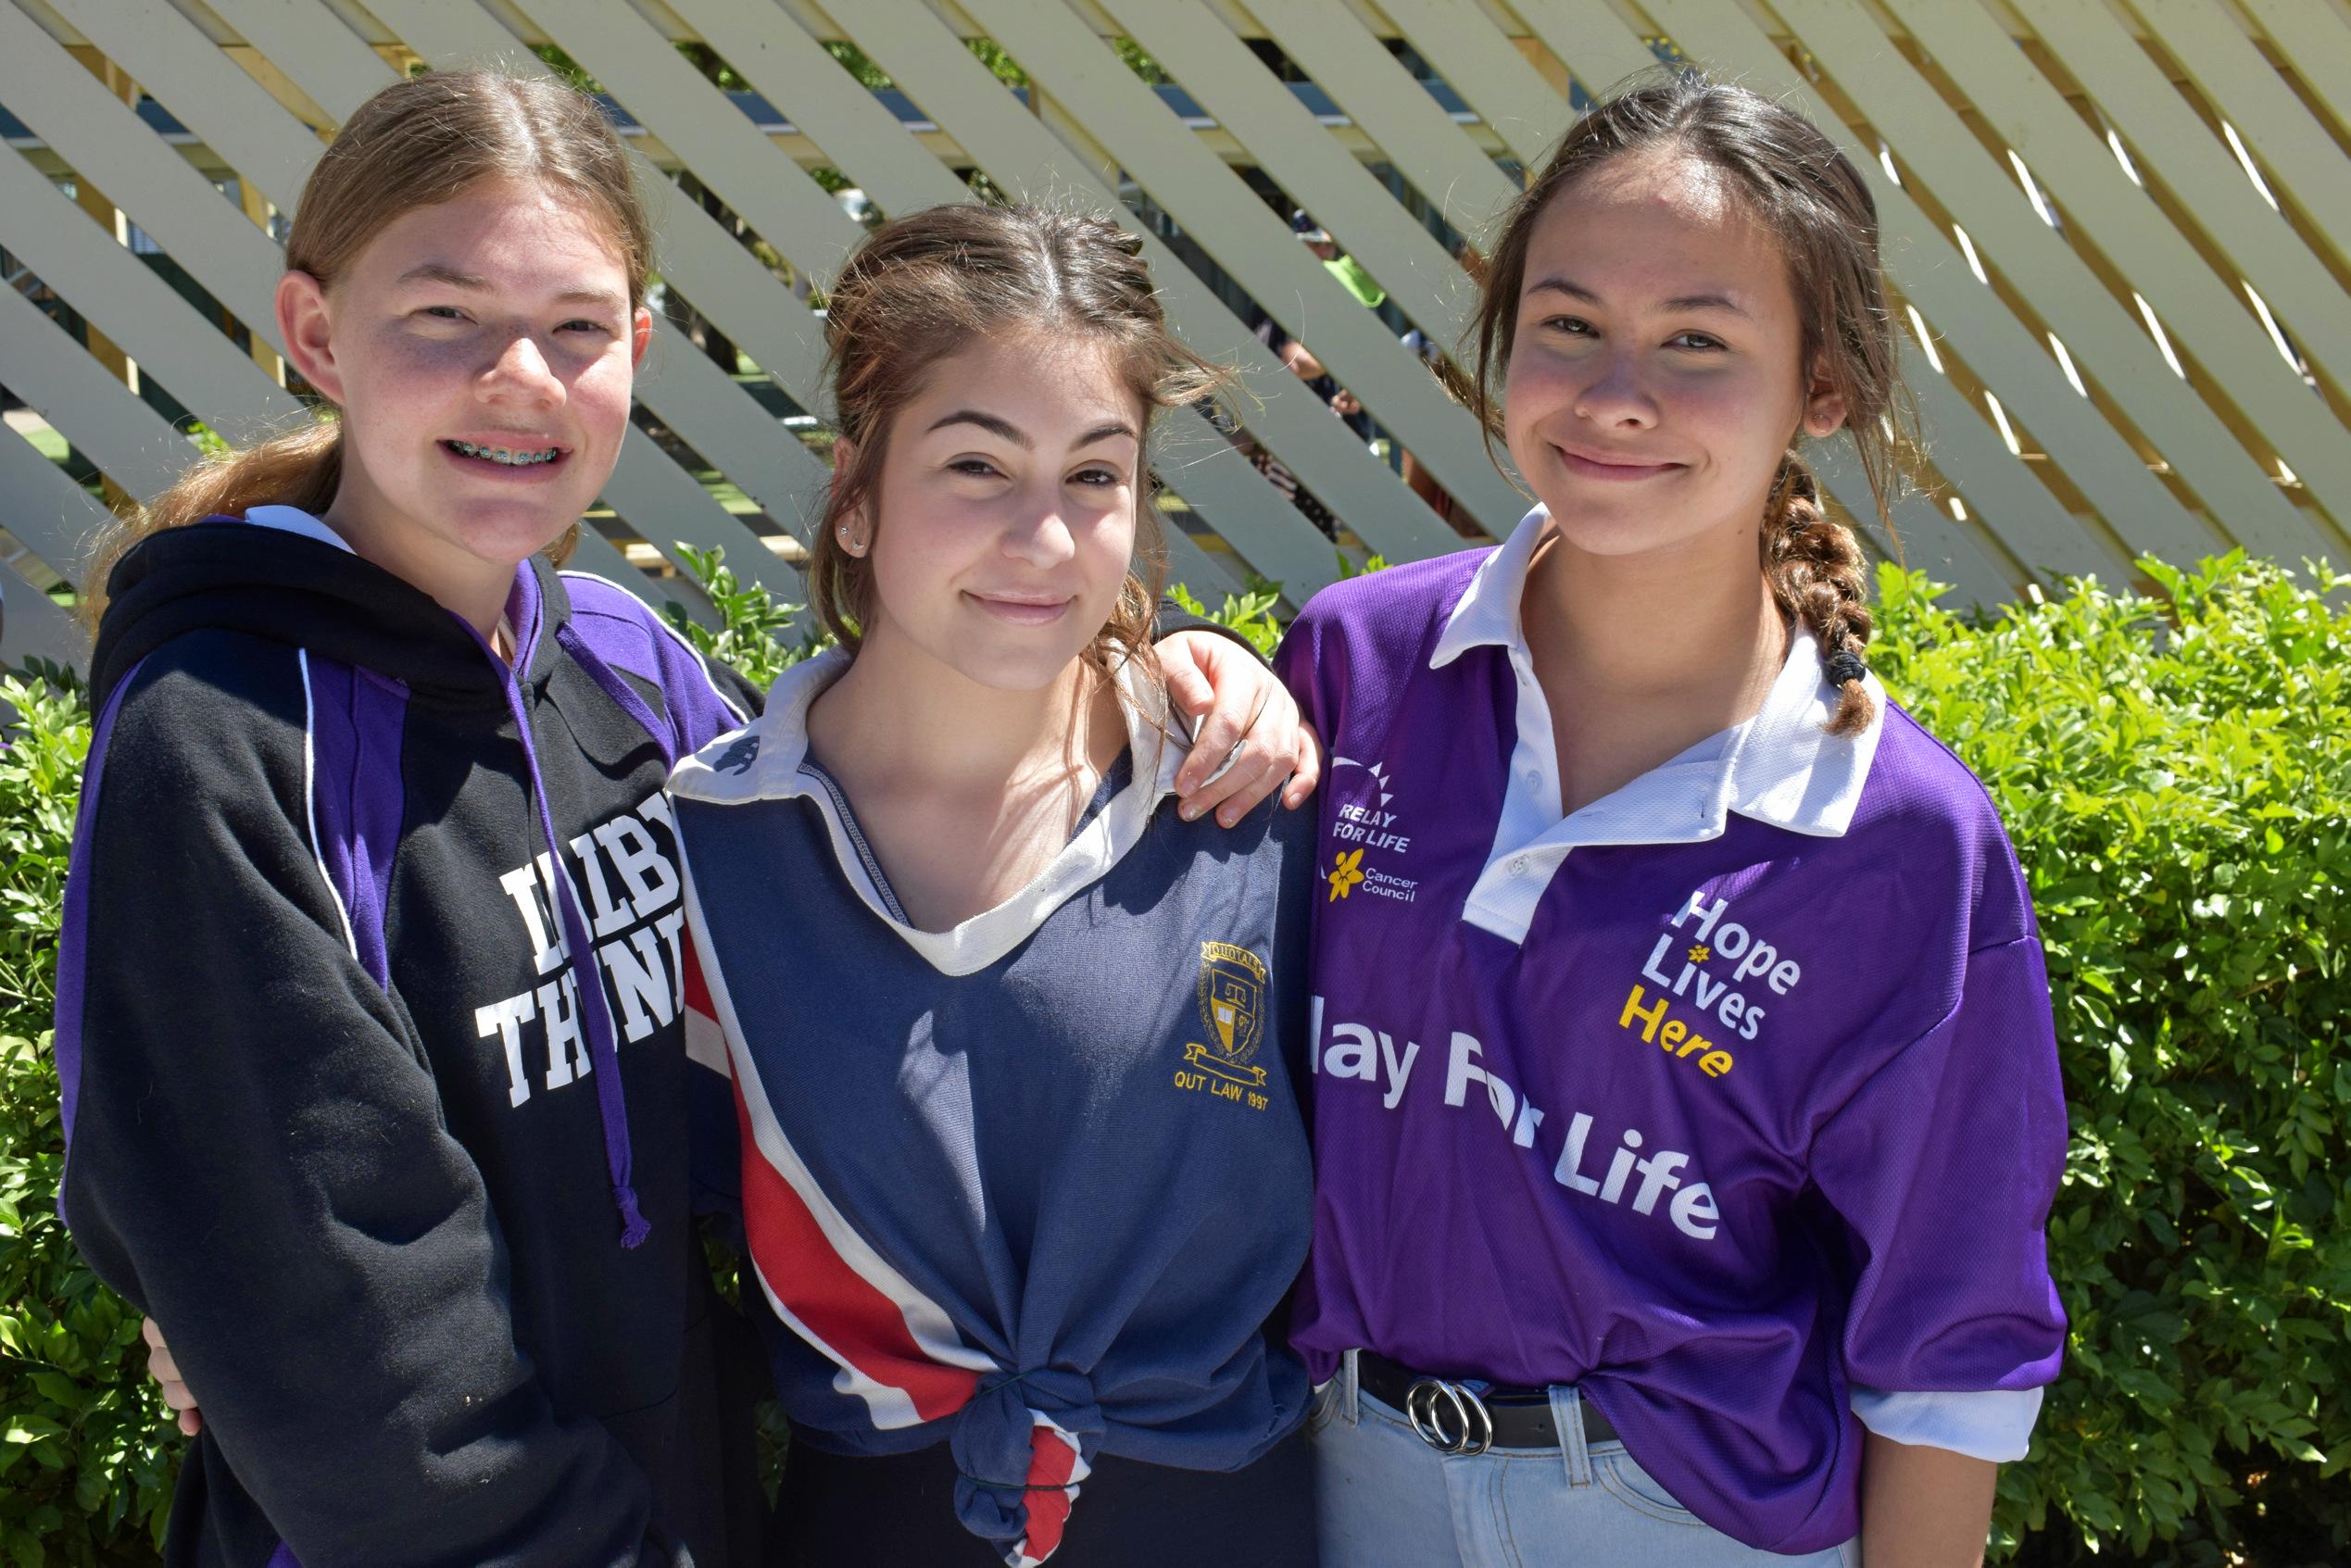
point(640, 336)
point(849, 526)
point(307, 328)
point(1823, 405)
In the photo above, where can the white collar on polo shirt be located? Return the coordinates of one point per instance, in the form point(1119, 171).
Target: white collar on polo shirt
point(1780, 767)
point(719, 773)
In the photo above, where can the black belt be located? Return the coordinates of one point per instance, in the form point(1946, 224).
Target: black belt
point(1455, 1418)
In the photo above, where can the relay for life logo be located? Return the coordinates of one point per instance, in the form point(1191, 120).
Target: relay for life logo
point(1363, 822)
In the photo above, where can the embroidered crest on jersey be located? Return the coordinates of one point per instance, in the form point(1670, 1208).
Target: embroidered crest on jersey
point(739, 757)
point(1232, 1008)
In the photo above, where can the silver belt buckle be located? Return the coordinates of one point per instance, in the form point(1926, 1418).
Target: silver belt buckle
point(1426, 1405)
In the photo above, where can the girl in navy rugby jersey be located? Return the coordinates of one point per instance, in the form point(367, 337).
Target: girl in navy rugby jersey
point(1686, 1097)
point(1024, 1175)
point(367, 1018)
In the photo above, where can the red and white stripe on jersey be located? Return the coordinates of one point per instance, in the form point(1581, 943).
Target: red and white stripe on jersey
point(1055, 1467)
point(896, 1349)
point(705, 1041)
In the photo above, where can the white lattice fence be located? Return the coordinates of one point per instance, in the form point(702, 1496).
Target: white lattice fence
point(2120, 230)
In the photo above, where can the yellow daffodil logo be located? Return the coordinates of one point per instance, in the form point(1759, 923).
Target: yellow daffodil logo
point(1701, 953)
point(1345, 872)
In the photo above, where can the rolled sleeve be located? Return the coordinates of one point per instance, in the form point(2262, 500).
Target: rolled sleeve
point(1943, 1167)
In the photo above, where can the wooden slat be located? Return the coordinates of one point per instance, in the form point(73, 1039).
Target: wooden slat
point(1486, 69)
point(33, 627)
point(2302, 159)
point(792, 69)
point(1217, 69)
point(2004, 497)
point(142, 313)
point(2167, 135)
point(2316, 38)
point(307, 41)
point(1591, 38)
point(98, 135)
point(612, 42)
point(163, 51)
point(1331, 45)
point(665, 506)
point(1927, 539)
point(2211, 319)
point(59, 381)
point(2106, 340)
point(700, 401)
point(1253, 244)
point(53, 517)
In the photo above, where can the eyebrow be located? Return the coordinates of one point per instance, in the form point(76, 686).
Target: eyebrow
point(449, 277)
point(1013, 434)
point(1679, 302)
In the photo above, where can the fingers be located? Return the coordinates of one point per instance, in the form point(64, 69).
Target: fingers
point(1216, 742)
point(165, 1373)
point(1307, 771)
point(1188, 688)
point(1245, 743)
point(1262, 760)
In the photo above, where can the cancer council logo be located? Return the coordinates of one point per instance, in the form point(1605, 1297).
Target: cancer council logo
point(1345, 872)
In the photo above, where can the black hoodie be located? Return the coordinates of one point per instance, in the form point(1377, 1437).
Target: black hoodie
point(342, 1119)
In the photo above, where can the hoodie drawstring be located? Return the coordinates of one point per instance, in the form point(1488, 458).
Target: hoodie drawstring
point(596, 1011)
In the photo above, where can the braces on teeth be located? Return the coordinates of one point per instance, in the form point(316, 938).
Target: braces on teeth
point(501, 455)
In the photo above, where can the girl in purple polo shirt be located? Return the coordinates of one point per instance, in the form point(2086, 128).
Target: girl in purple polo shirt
point(1687, 1100)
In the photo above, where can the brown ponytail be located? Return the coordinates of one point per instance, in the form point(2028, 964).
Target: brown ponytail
point(416, 143)
point(1806, 194)
point(1819, 577)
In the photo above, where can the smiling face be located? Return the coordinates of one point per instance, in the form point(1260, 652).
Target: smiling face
point(1006, 506)
point(481, 352)
point(1654, 378)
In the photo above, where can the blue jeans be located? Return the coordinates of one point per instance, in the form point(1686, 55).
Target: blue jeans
point(1387, 1499)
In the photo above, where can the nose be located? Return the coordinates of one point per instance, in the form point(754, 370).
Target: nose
point(1614, 398)
point(1038, 535)
point(520, 374)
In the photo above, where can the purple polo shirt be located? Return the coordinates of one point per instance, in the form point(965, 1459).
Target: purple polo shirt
point(1731, 1098)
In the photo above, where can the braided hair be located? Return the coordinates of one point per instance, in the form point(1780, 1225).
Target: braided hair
point(1819, 577)
point(1803, 192)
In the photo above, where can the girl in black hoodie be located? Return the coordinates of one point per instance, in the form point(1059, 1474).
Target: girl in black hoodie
point(368, 1002)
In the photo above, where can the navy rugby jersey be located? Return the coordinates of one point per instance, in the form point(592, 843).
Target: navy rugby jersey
point(1032, 1185)
point(1731, 1098)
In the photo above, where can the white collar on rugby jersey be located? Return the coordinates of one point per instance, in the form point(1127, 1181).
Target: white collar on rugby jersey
point(721, 775)
point(1780, 767)
point(293, 520)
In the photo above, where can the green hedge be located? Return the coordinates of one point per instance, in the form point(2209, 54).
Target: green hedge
point(2175, 771)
